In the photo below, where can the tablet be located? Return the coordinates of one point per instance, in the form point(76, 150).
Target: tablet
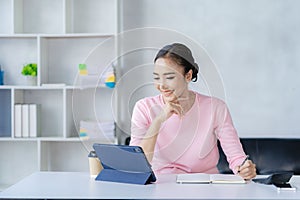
point(122, 163)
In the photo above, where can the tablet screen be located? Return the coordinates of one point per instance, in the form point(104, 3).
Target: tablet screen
point(122, 157)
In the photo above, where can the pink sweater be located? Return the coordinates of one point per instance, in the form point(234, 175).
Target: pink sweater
point(189, 144)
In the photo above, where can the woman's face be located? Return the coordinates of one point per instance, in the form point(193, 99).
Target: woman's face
point(170, 80)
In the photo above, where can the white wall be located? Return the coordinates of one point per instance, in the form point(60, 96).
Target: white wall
point(255, 46)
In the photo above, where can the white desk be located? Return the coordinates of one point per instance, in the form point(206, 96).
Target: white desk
point(77, 185)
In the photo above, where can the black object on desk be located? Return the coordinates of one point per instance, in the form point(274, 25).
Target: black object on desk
point(276, 178)
point(122, 163)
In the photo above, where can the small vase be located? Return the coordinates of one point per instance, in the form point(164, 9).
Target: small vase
point(31, 80)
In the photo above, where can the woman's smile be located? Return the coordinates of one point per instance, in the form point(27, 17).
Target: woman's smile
point(167, 93)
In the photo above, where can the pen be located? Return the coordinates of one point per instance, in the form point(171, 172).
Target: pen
point(247, 157)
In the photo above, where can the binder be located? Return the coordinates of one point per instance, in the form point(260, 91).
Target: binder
point(125, 164)
point(25, 120)
point(34, 125)
point(18, 120)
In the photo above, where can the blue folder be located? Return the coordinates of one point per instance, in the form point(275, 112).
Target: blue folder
point(125, 164)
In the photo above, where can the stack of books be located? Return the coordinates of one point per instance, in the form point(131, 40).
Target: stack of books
point(97, 130)
point(27, 120)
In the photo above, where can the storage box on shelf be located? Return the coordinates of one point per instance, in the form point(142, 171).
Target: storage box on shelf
point(5, 116)
point(58, 35)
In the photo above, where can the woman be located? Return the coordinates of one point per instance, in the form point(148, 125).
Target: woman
point(178, 129)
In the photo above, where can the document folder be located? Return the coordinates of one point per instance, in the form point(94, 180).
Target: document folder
point(125, 164)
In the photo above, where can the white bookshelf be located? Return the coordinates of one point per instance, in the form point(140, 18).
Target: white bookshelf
point(58, 35)
point(78, 20)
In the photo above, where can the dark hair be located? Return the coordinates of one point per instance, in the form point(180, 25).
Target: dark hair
point(181, 55)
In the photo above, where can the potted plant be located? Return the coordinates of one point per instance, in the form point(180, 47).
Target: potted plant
point(30, 72)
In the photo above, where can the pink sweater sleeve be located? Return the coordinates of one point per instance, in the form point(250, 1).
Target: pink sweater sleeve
point(139, 123)
point(228, 137)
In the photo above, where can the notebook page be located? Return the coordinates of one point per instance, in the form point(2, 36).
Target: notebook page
point(193, 178)
point(226, 178)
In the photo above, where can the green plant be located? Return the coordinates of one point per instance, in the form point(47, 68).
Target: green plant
point(30, 69)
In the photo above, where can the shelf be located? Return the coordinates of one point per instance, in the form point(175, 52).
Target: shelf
point(38, 87)
point(53, 87)
point(62, 156)
point(17, 163)
point(35, 16)
point(60, 57)
point(92, 16)
point(59, 139)
point(67, 35)
point(88, 87)
point(11, 139)
point(19, 87)
point(87, 105)
point(55, 139)
point(6, 139)
point(58, 35)
point(58, 16)
point(51, 115)
point(33, 36)
point(78, 35)
point(26, 49)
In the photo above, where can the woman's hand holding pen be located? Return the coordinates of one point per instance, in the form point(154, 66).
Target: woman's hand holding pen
point(247, 169)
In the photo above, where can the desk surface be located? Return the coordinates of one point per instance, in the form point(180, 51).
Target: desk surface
point(78, 185)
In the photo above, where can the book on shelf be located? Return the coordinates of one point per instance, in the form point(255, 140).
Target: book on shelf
point(34, 123)
point(50, 85)
point(18, 120)
point(202, 178)
point(25, 120)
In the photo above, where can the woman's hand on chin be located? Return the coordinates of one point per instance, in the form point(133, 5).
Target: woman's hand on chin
point(170, 108)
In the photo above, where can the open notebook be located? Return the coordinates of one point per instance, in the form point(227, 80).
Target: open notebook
point(209, 178)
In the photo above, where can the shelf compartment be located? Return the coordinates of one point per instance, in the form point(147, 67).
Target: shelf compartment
point(91, 16)
point(5, 116)
point(6, 17)
point(24, 50)
point(63, 156)
point(87, 104)
point(35, 16)
point(60, 57)
point(18, 160)
point(51, 108)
